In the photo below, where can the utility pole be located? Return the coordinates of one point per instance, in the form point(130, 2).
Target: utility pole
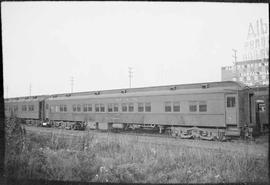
point(130, 75)
point(30, 88)
point(234, 64)
point(7, 91)
point(234, 56)
point(72, 83)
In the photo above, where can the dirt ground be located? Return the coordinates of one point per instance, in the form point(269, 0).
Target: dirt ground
point(259, 147)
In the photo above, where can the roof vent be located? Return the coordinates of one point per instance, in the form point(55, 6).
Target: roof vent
point(173, 88)
point(205, 86)
point(97, 93)
point(124, 91)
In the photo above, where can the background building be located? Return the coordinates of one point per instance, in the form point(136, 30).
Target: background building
point(251, 72)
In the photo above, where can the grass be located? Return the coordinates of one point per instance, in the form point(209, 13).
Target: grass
point(86, 158)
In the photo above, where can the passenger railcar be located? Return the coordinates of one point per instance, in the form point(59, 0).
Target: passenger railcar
point(261, 97)
point(206, 110)
point(30, 109)
point(209, 107)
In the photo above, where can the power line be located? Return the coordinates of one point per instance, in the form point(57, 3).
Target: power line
point(130, 75)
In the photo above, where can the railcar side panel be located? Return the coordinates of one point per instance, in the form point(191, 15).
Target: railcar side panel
point(213, 116)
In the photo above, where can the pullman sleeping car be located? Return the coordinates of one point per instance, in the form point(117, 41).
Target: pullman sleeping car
point(206, 110)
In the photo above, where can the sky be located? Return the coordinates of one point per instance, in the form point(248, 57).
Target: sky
point(46, 44)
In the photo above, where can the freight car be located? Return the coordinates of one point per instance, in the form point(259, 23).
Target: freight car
point(205, 110)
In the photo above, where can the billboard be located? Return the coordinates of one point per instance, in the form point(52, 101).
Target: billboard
point(257, 44)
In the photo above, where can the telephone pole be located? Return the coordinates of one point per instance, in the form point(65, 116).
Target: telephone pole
point(7, 91)
point(234, 64)
point(234, 56)
point(72, 83)
point(130, 75)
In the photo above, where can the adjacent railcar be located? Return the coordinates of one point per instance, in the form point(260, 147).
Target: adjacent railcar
point(261, 97)
point(29, 109)
point(211, 107)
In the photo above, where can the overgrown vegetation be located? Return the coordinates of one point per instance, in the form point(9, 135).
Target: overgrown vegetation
point(85, 158)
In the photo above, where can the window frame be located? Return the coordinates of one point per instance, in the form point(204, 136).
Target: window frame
point(203, 106)
point(97, 107)
point(74, 108)
point(168, 106)
point(110, 107)
point(140, 107)
point(147, 107)
point(89, 108)
point(102, 107)
point(130, 107)
point(176, 104)
point(79, 108)
point(115, 107)
point(231, 102)
point(85, 107)
point(124, 105)
point(193, 106)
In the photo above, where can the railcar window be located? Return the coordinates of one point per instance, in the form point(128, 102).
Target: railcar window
point(61, 108)
point(65, 108)
point(102, 108)
point(74, 107)
point(140, 107)
point(78, 108)
point(57, 108)
point(84, 107)
point(130, 107)
point(147, 107)
point(230, 101)
point(168, 106)
point(261, 107)
point(176, 107)
point(89, 107)
point(110, 107)
point(15, 108)
point(47, 106)
point(51, 108)
point(97, 107)
point(30, 107)
point(193, 107)
point(202, 107)
point(24, 108)
point(124, 107)
point(115, 107)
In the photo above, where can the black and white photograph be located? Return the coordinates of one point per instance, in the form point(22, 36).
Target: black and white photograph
point(135, 92)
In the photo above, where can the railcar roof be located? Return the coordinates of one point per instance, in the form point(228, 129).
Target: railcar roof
point(136, 91)
point(26, 99)
point(118, 94)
